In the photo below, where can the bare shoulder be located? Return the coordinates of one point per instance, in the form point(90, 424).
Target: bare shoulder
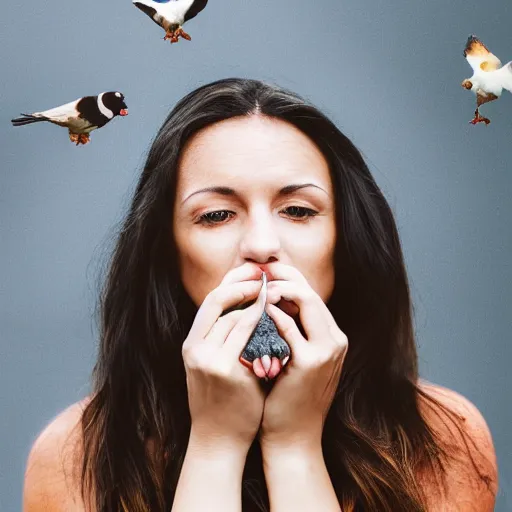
point(51, 482)
point(472, 471)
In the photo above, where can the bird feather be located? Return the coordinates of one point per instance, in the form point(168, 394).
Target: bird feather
point(479, 57)
point(504, 76)
point(165, 14)
point(59, 114)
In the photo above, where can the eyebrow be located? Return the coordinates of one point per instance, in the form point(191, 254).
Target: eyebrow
point(227, 191)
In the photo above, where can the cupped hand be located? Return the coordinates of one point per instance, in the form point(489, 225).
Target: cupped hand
point(225, 398)
point(296, 407)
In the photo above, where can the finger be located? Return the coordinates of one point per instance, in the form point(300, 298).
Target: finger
point(222, 327)
point(239, 336)
point(314, 314)
point(247, 271)
point(258, 369)
point(216, 302)
point(262, 296)
point(275, 368)
point(266, 362)
point(287, 327)
point(290, 308)
point(261, 300)
point(281, 271)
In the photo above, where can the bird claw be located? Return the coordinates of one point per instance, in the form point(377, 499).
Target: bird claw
point(174, 35)
point(184, 35)
point(480, 119)
point(171, 36)
point(79, 138)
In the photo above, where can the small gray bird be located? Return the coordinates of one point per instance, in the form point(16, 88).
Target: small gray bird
point(82, 116)
point(171, 15)
point(489, 76)
point(265, 346)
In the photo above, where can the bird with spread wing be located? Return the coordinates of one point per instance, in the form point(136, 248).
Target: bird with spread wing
point(489, 76)
point(171, 15)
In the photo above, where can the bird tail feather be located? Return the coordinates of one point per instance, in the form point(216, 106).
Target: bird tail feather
point(507, 79)
point(28, 119)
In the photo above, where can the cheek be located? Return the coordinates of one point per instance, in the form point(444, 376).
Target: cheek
point(199, 275)
point(313, 256)
point(204, 262)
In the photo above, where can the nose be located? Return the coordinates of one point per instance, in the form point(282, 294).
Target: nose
point(260, 241)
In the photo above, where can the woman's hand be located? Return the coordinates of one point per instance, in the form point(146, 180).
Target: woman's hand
point(225, 398)
point(296, 407)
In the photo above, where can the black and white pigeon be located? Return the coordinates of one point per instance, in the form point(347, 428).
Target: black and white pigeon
point(171, 15)
point(81, 116)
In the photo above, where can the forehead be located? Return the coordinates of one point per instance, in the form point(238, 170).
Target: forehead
point(251, 151)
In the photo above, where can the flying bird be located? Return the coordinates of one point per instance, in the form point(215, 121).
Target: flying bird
point(489, 76)
point(81, 116)
point(171, 15)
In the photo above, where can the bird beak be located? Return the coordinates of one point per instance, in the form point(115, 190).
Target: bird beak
point(123, 112)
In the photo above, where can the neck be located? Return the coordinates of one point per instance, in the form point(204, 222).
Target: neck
point(103, 109)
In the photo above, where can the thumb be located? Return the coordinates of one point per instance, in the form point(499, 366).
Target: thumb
point(241, 332)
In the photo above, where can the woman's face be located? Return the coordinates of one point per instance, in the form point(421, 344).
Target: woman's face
point(257, 208)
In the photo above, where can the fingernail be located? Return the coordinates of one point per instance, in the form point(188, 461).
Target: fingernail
point(266, 362)
point(275, 368)
point(285, 360)
point(258, 368)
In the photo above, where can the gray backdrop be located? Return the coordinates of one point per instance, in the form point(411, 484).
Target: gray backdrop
point(388, 73)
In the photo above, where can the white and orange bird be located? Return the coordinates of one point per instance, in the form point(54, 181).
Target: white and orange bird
point(489, 76)
point(171, 14)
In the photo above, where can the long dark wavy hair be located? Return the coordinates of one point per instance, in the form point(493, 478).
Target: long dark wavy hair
point(375, 439)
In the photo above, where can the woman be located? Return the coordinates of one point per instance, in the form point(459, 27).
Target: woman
point(243, 178)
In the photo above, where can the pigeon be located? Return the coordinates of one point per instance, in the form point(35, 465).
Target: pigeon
point(171, 15)
point(489, 76)
point(265, 341)
point(81, 116)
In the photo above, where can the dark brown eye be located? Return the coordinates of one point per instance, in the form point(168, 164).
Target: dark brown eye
point(300, 212)
point(216, 217)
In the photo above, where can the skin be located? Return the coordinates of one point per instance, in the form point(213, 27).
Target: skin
point(257, 223)
point(291, 237)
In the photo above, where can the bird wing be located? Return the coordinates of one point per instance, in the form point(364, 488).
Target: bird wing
point(504, 76)
point(196, 7)
point(174, 11)
point(60, 114)
point(479, 57)
point(148, 9)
